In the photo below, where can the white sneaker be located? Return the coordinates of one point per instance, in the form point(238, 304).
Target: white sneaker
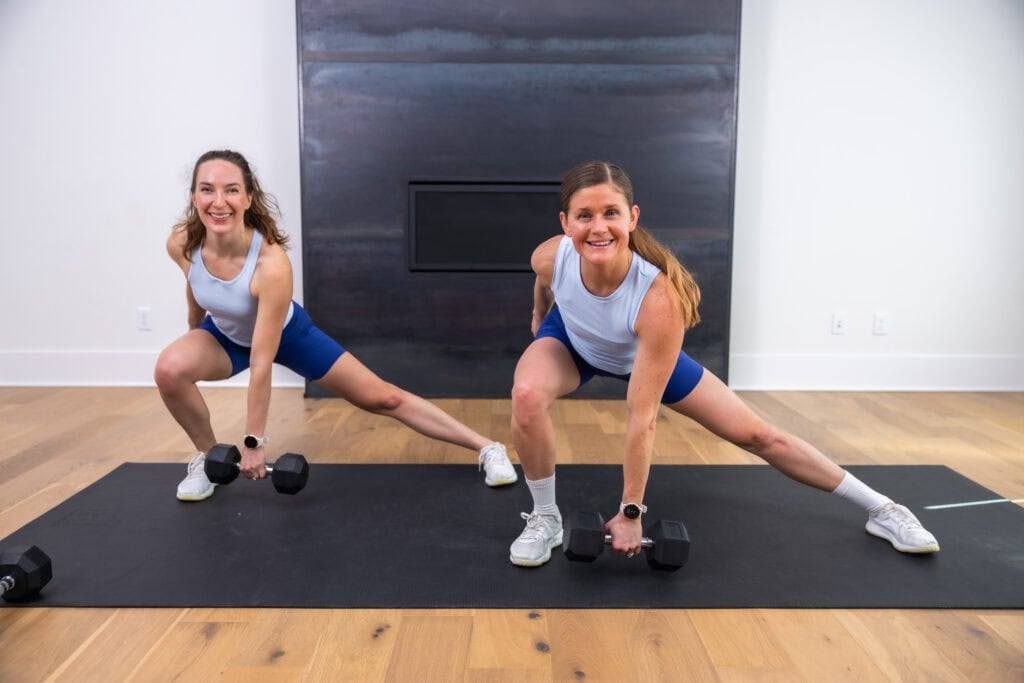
point(195, 485)
point(899, 526)
point(495, 463)
point(533, 547)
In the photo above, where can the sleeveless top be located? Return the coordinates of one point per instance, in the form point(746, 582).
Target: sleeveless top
point(229, 302)
point(601, 327)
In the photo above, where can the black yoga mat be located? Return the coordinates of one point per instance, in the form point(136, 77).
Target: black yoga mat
point(419, 536)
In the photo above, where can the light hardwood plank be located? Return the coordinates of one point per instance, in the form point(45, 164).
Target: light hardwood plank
point(431, 648)
point(54, 441)
point(355, 645)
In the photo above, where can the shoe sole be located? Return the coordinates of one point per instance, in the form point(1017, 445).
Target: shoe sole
point(192, 497)
point(501, 482)
point(526, 562)
point(916, 550)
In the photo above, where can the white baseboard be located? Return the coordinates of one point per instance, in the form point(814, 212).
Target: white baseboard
point(862, 372)
point(103, 368)
point(749, 372)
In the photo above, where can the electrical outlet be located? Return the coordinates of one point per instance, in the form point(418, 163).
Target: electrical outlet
point(881, 325)
point(143, 318)
point(839, 323)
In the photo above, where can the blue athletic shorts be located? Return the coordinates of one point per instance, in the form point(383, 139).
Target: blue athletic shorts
point(304, 347)
point(684, 378)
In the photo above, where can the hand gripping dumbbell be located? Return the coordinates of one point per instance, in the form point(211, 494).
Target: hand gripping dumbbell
point(23, 573)
point(289, 473)
point(667, 543)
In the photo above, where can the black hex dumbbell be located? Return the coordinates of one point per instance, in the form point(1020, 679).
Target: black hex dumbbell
point(23, 573)
point(289, 473)
point(667, 543)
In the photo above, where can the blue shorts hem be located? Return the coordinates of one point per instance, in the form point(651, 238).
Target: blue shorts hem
point(684, 379)
point(304, 349)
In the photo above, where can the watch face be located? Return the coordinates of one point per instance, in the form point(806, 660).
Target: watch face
point(251, 442)
point(631, 511)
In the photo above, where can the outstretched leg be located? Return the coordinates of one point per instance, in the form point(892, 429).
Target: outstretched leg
point(356, 383)
point(716, 407)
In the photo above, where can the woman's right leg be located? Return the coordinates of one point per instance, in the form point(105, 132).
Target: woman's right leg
point(544, 372)
point(193, 357)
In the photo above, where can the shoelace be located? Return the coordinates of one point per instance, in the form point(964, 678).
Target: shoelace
point(196, 464)
point(488, 457)
point(534, 524)
point(903, 518)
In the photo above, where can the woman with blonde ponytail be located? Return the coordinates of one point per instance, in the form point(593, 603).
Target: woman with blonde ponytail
point(610, 300)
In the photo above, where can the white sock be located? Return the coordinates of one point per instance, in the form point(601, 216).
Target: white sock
point(857, 492)
point(543, 492)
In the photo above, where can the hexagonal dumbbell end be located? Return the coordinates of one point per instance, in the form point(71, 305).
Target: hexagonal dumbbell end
point(290, 473)
point(24, 572)
point(671, 545)
point(583, 536)
point(222, 463)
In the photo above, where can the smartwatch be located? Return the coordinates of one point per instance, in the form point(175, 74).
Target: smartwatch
point(632, 510)
point(252, 441)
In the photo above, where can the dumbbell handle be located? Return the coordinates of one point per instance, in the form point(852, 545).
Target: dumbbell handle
point(268, 468)
point(6, 584)
point(644, 542)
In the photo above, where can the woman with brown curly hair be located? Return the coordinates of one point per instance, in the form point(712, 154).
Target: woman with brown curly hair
point(241, 315)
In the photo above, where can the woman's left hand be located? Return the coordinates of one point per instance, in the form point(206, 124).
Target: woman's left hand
point(626, 535)
point(253, 465)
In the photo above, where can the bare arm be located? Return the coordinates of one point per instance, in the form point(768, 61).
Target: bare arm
point(196, 313)
point(543, 299)
point(660, 329)
point(543, 263)
point(272, 287)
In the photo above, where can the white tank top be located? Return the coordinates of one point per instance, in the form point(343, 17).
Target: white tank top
point(230, 303)
point(601, 327)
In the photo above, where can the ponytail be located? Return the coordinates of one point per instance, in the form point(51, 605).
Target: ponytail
point(681, 279)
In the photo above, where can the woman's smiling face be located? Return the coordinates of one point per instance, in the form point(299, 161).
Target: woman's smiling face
point(599, 221)
point(220, 196)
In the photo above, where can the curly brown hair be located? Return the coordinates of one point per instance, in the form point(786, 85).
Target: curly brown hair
point(259, 216)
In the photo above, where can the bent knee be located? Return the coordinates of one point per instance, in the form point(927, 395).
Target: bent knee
point(529, 402)
point(171, 371)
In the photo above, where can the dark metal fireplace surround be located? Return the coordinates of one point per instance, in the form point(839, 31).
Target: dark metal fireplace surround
point(435, 134)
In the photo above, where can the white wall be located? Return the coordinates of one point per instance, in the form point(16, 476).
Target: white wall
point(106, 106)
point(879, 168)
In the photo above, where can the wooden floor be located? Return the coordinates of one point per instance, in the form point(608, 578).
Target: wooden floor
point(55, 441)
